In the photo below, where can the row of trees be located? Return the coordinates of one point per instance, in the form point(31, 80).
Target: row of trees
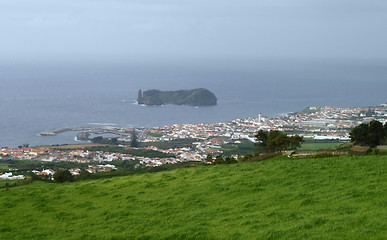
point(220, 159)
point(369, 134)
point(275, 141)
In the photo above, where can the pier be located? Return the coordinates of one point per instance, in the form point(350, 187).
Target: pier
point(94, 129)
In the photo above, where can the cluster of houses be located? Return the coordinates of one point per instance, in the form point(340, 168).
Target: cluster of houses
point(315, 122)
point(10, 176)
point(76, 156)
point(23, 153)
point(77, 171)
point(50, 173)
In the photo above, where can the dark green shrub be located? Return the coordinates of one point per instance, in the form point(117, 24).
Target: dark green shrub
point(63, 176)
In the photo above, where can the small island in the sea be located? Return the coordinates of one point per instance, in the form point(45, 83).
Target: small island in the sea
point(194, 97)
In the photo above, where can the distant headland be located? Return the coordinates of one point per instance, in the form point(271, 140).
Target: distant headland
point(194, 97)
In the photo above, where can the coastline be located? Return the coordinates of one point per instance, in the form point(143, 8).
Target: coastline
point(330, 121)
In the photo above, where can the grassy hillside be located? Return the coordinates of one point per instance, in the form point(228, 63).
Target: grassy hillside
point(332, 198)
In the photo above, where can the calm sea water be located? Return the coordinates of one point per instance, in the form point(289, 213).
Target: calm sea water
point(41, 97)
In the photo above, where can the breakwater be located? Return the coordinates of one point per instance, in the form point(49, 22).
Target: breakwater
point(94, 129)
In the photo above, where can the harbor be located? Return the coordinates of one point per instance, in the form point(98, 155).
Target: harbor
point(123, 132)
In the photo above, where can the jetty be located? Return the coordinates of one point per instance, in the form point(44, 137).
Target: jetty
point(94, 129)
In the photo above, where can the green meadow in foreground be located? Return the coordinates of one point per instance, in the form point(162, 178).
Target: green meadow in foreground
point(327, 198)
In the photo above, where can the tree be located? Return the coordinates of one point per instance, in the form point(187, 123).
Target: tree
point(133, 141)
point(295, 142)
point(220, 159)
point(376, 133)
point(83, 175)
point(369, 134)
point(275, 141)
point(63, 176)
point(261, 138)
point(359, 135)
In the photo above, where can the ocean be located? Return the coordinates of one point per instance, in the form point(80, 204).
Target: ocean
point(39, 97)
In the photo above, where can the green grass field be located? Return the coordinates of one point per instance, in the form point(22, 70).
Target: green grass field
point(3, 183)
point(281, 198)
point(319, 146)
point(177, 143)
point(242, 148)
point(3, 166)
point(134, 152)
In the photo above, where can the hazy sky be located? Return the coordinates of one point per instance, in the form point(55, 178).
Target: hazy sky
point(197, 29)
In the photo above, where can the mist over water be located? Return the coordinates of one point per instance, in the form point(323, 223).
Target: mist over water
point(41, 97)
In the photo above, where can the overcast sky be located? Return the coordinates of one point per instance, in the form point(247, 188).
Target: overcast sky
point(197, 29)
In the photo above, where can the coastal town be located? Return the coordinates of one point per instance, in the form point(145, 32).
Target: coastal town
point(315, 123)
